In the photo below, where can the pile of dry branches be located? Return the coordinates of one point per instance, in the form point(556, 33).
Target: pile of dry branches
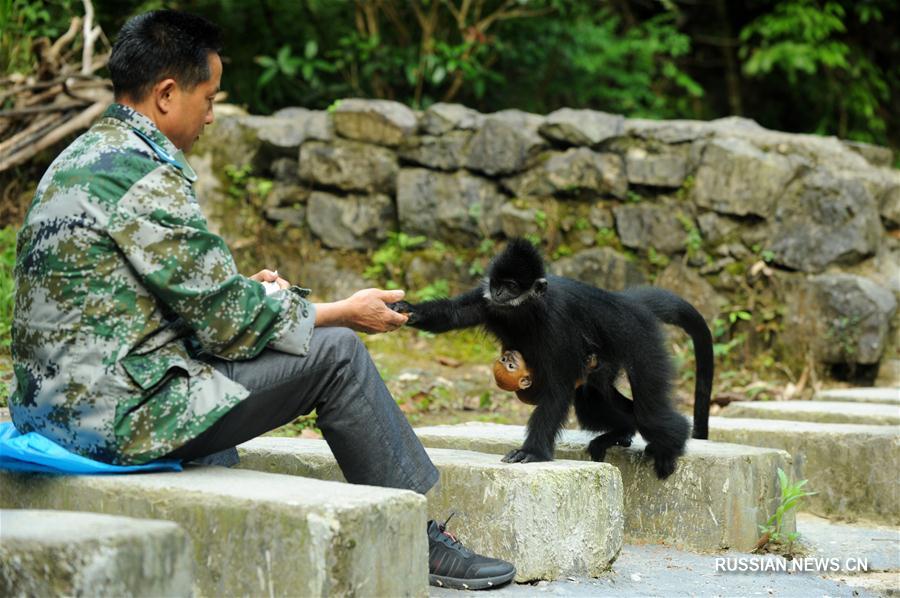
point(62, 96)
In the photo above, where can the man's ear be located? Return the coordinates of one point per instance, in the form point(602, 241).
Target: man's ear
point(163, 94)
point(540, 286)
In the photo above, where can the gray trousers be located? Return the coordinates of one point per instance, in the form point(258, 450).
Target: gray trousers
point(368, 434)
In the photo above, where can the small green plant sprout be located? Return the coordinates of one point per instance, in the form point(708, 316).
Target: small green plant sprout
point(633, 197)
point(540, 218)
point(694, 241)
point(562, 251)
point(606, 237)
point(773, 534)
point(582, 223)
point(660, 260)
point(533, 239)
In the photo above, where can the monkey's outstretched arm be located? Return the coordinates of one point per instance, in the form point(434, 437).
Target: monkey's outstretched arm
point(441, 315)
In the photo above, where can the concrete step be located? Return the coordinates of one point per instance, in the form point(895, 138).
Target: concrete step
point(261, 534)
point(655, 570)
point(817, 411)
point(852, 467)
point(889, 396)
point(64, 553)
point(715, 500)
point(549, 519)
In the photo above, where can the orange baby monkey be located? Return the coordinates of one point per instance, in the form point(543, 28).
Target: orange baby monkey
point(511, 373)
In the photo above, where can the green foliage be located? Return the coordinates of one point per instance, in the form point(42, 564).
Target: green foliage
point(439, 289)
point(792, 494)
point(807, 42)
point(606, 237)
point(660, 260)
point(694, 241)
point(588, 56)
point(562, 251)
point(24, 21)
point(387, 258)
point(7, 284)
point(7, 290)
point(282, 71)
point(633, 197)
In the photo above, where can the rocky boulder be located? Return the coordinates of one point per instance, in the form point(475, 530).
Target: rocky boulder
point(348, 166)
point(734, 177)
point(602, 267)
point(581, 127)
point(821, 220)
point(351, 222)
point(445, 152)
point(382, 122)
point(841, 318)
point(646, 224)
point(456, 208)
point(576, 172)
point(667, 168)
point(442, 118)
point(507, 142)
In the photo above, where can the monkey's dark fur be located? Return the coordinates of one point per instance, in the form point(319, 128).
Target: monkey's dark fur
point(555, 322)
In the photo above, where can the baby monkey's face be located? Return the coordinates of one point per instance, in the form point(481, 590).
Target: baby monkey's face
point(511, 373)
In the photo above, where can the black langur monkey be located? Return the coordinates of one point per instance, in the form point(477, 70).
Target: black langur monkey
point(555, 322)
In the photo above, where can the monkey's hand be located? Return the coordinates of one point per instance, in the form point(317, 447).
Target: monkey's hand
point(523, 456)
point(403, 307)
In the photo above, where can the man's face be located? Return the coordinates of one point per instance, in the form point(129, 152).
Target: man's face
point(192, 109)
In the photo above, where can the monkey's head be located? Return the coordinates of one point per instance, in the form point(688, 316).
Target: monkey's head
point(511, 373)
point(516, 275)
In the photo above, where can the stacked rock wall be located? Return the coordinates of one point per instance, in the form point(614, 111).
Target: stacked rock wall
point(800, 231)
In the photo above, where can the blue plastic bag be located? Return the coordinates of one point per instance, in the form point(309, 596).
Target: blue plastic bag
point(34, 453)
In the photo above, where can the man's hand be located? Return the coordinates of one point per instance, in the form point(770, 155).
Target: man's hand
point(364, 311)
point(270, 276)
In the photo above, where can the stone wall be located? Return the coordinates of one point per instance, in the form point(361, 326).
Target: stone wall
point(800, 231)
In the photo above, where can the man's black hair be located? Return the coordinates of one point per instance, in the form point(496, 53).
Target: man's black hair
point(161, 44)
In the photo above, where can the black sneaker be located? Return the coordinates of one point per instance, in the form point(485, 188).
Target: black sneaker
point(452, 565)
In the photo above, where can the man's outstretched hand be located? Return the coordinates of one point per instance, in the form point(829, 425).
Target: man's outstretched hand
point(363, 311)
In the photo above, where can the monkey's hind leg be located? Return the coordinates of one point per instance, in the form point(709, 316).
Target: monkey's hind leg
point(605, 409)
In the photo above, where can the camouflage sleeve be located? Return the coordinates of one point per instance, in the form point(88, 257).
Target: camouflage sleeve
point(159, 228)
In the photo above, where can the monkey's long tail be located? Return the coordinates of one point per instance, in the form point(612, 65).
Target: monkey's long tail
point(674, 310)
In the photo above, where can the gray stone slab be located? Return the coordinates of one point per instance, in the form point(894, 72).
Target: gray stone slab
point(63, 553)
point(715, 500)
point(643, 571)
point(890, 396)
point(549, 519)
point(261, 534)
point(879, 545)
point(817, 411)
point(852, 467)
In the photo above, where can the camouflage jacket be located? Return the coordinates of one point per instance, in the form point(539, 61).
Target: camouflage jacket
point(120, 290)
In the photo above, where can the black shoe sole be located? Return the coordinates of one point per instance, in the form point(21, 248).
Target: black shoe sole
point(482, 583)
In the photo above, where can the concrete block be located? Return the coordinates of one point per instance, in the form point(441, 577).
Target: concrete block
point(715, 500)
point(261, 534)
point(816, 411)
point(852, 467)
point(549, 519)
point(62, 553)
point(889, 396)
